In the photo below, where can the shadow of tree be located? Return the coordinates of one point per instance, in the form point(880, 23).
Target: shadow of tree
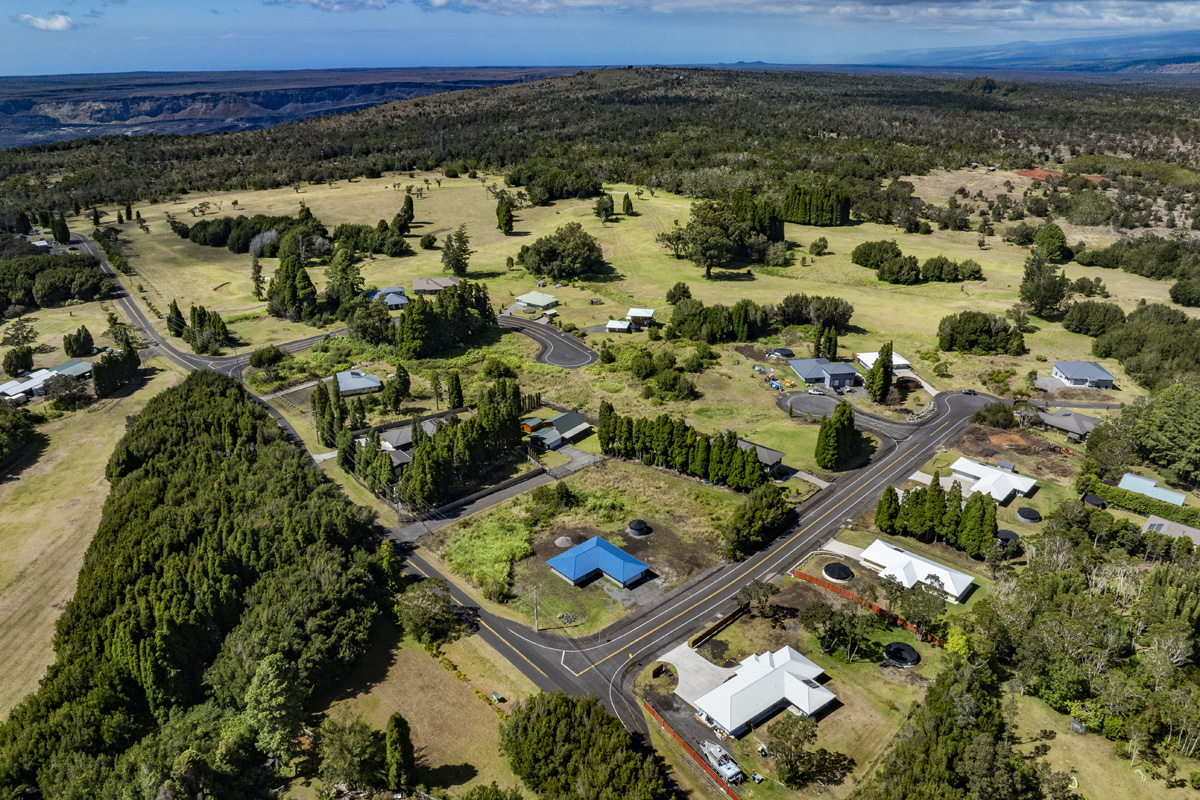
point(447, 775)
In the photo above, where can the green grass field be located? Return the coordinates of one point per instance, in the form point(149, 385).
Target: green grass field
point(51, 506)
point(51, 324)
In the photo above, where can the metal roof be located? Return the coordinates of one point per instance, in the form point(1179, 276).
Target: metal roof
point(598, 555)
point(640, 312)
point(818, 368)
point(765, 455)
point(998, 483)
point(1083, 371)
point(356, 381)
point(1171, 528)
point(75, 368)
point(568, 424)
point(1070, 421)
point(1147, 487)
point(909, 569)
point(537, 299)
point(868, 360)
point(762, 682)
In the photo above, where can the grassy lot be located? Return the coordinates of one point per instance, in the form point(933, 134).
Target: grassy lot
point(1101, 767)
point(51, 506)
point(51, 324)
point(872, 701)
point(401, 676)
point(512, 542)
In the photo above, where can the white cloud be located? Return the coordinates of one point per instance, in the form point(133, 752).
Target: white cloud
point(1065, 15)
point(57, 22)
point(330, 5)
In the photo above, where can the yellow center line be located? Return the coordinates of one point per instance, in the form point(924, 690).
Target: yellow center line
point(489, 627)
point(735, 580)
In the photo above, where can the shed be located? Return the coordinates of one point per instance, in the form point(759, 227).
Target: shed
point(597, 557)
point(531, 424)
point(569, 424)
point(618, 326)
point(75, 368)
point(539, 300)
point(1147, 487)
point(355, 382)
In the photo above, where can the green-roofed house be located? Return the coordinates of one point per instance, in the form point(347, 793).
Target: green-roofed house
point(538, 300)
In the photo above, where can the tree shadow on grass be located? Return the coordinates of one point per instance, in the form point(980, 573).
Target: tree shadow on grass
point(733, 275)
point(446, 776)
point(368, 671)
point(26, 458)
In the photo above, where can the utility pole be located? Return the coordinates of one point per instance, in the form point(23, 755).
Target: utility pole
point(535, 616)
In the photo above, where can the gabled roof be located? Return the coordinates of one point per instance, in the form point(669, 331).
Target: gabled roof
point(841, 368)
point(395, 299)
point(537, 299)
point(1069, 421)
point(761, 683)
point(766, 455)
point(868, 360)
point(568, 424)
point(1171, 528)
point(597, 554)
point(639, 312)
point(74, 367)
point(618, 324)
point(996, 482)
point(909, 569)
point(1083, 371)
point(401, 438)
point(1147, 487)
point(355, 380)
point(809, 368)
point(433, 284)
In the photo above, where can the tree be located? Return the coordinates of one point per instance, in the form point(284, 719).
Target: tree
point(504, 216)
point(569, 252)
point(435, 386)
point(674, 240)
point(1051, 241)
point(351, 753)
point(17, 360)
point(604, 207)
point(454, 392)
point(795, 765)
point(19, 333)
point(819, 247)
point(400, 762)
point(256, 278)
point(826, 454)
point(175, 321)
point(888, 510)
point(79, 343)
point(396, 390)
point(627, 205)
point(273, 707)
point(758, 593)
point(456, 252)
point(879, 378)
point(426, 611)
point(680, 291)
point(1043, 289)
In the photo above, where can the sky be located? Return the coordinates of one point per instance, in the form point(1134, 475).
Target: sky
point(80, 36)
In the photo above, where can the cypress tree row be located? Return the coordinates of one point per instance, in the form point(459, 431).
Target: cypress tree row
point(459, 314)
point(673, 444)
point(838, 441)
point(878, 381)
point(820, 206)
point(933, 514)
point(115, 370)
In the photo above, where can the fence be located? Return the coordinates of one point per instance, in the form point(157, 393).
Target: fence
point(883, 612)
point(717, 779)
point(718, 626)
point(471, 498)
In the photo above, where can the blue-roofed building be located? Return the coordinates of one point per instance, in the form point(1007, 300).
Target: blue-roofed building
point(597, 557)
point(393, 297)
point(1147, 487)
point(822, 370)
point(1087, 374)
point(355, 382)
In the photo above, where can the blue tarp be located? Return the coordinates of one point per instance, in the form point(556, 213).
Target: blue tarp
point(597, 555)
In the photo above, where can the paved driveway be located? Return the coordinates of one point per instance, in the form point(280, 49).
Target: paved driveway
point(697, 675)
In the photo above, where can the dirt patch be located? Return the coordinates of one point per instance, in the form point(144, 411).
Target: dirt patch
point(984, 444)
point(1008, 440)
point(716, 651)
point(1079, 395)
point(1040, 174)
point(751, 352)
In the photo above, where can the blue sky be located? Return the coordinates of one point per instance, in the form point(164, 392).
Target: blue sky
point(57, 36)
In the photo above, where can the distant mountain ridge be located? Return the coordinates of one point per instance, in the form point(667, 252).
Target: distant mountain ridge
point(1167, 53)
point(35, 110)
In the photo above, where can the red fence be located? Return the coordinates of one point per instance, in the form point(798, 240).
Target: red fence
point(883, 612)
point(721, 784)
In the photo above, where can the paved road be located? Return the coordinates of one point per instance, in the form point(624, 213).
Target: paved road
point(558, 348)
point(605, 663)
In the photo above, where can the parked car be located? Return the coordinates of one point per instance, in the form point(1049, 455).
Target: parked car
point(970, 392)
point(817, 392)
point(838, 390)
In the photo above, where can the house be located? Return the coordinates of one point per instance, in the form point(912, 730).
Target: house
point(641, 317)
point(597, 557)
point(1075, 425)
point(1001, 484)
point(1087, 374)
point(33, 384)
point(393, 297)
point(532, 424)
point(822, 370)
point(538, 300)
point(763, 684)
point(1147, 487)
point(559, 429)
point(433, 285)
point(909, 569)
point(867, 360)
point(355, 382)
point(74, 368)
point(1170, 528)
point(770, 459)
point(618, 326)
point(400, 438)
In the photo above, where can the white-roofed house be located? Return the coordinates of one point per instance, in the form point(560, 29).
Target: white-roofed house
point(641, 317)
point(355, 382)
point(1001, 484)
point(618, 326)
point(763, 684)
point(867, 360)
point(909, 569)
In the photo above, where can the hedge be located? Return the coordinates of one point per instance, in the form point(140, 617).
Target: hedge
point(1141, 504)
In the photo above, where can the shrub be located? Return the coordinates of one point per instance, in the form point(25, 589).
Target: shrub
point(873, 255)
point(995, 415)
point(428, 241)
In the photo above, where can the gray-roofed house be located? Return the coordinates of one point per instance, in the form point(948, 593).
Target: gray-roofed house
point(75, 368)
point(394, 297)
point(561, 428)
point(1171, 528)
point(770, 459)
point(1076, 426)
point(355, 382)
point(822, 370)
point(539, 300)
point(1087, 374)
point(401, 438)
point(433, 285)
